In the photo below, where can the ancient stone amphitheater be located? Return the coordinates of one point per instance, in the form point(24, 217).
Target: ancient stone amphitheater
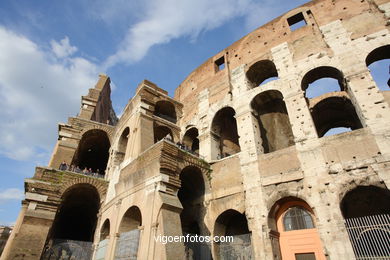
point(243, 149)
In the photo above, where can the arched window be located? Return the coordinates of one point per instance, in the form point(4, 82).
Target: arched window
point(166, 110)
point(366, 210)
point(160, 132)
point(92, 151)
point(294, 235)
point(191, 140)
point(329, 102)
point(297, 218)
point(233, 223)
point(104, 239)
point(191, 196)
point(274, 125)
point(261, 72)
point(322, 80)
point(224, 134)
point(75, 222)
point(122, 145)
point(378, 61)
point(335, 112)
point(129, 234)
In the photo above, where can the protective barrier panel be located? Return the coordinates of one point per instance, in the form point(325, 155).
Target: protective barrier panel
point(68, 250)
point(127, 245)
point(101, 249)
point(370, 236)
point(197, 250)
point(240, 248)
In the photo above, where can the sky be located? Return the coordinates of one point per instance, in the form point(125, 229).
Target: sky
point(51, 53)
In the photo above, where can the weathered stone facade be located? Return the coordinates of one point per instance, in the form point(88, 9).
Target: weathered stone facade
point(252, 152)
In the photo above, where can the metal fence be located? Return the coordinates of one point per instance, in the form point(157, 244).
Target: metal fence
point(370, 237)
point(127, 245)
point(61, 249)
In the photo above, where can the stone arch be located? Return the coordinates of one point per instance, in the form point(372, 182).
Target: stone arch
point(122, 145)
point(76, 216)
point(105, 230)
point(272, 120)
point(225, 139)
point(162, 131)
point(323, 72)
point(99, 185)
point(366, 211)
point(109, 130)
point(365, 201)
point(334, 112)
point(191, 140)
point(129, 233)
point(378, 63)
point(165, 109)
point(93, 151)
point(293, 230)
point(261, 71)
point(232, 223)
point(379, 53)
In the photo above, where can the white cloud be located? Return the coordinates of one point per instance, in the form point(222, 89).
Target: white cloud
point(165, 20)
point(11, 194)
point(63, 48)
point(37, 90)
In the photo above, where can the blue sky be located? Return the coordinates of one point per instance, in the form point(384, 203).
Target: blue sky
point(52, 52)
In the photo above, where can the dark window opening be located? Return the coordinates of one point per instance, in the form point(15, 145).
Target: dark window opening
point(261, 72)
point(105, 230)
point(334, 112)
point(233, 223)
point(297, 218)
point(220, 64)
point(297, 21)
point(305, 256)
point(365, 201)
point(77, 216)
point(191, 196)
point(160, 132)
point(122, 145)
point(225, 134)
point(274, 124)
point(191, 140)
point(165, 110)
point(92, 152)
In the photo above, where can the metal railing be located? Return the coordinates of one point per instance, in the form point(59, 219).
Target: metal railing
point(370, 236)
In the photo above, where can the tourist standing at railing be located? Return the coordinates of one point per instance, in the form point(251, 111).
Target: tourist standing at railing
point(62, 166)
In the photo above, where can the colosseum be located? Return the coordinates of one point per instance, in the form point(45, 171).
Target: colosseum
point(241, 150)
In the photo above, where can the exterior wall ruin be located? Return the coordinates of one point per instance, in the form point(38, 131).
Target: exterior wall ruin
point(277, 156)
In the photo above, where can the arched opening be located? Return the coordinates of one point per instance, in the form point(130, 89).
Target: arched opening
point(92, 152)
point(191, 141)
point(103, 242)
point(129, 234)
point(273, 122)
point(293, 232)
point(191, 196)
point(224, 134)
point(122, 145)
point(160, 132)
point(261, 72)
point(166, 110)
point(322, 80)
point(378, 61)
point(233, 223)
point(366, 210)
point(74, 225)
point(335, 112)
